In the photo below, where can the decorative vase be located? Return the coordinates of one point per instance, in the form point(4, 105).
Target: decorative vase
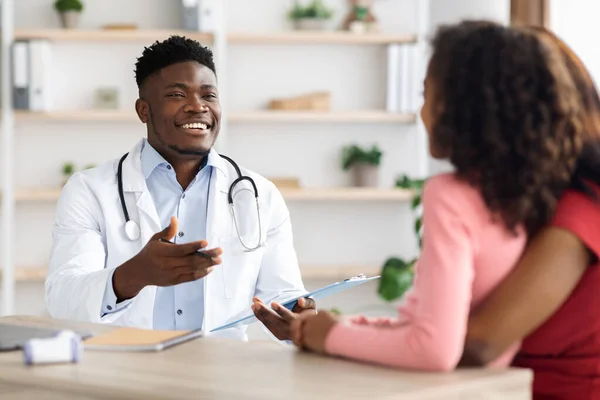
point(70, 19)
point(311, 24)
point(366, 175)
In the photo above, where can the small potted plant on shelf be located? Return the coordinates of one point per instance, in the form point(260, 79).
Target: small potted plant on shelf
point(360, 18)
point(68, 169)
point(69, 11)
point(314, 16)
point(364, 164)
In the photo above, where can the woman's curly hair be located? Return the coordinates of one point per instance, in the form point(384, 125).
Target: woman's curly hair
point(588, 164)
point(510, 117)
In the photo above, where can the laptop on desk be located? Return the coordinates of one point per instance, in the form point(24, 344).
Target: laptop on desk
point(14, 337)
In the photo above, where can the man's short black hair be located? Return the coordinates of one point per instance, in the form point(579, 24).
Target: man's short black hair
point(170, 51)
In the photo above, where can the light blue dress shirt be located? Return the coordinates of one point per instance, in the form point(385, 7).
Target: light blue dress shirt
point(179, 307)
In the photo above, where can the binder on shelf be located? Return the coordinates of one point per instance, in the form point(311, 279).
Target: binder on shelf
point(394, 83)
point(190, 15)
point(405, 78)
point(207, 17)
point(20, 75)
point(40, 79)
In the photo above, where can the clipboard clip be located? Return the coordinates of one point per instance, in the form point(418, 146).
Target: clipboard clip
point(356, 278)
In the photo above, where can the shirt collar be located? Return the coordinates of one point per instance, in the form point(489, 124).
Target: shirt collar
point(152, 159)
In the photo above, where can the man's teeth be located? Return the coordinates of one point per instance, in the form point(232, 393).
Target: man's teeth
point(194, 126)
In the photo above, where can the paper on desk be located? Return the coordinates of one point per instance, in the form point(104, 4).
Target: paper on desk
point(326, 291)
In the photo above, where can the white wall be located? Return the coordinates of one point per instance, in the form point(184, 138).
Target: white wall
point(328, 233)
point(576, 22)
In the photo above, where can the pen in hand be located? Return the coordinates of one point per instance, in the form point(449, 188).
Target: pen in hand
point(198, 252)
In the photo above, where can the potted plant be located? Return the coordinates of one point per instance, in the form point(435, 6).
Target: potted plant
point(69, 11)
point(360, 18)
point(364, 163)
point(68, 169)
point(397, 274)
point(313, 16)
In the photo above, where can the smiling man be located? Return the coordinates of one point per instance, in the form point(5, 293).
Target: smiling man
point(149, 240)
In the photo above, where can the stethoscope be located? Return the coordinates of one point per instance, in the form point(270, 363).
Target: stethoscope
point(133, 231)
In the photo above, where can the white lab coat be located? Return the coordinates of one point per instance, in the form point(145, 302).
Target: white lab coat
point(89, 240)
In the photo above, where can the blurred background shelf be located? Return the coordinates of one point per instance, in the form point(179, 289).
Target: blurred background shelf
point(316, 116)
point(324, 272)
point(90, 115)
point(369, 116)
point(326, 37)
point(299, 194)
point(347, 194)
point(102, 35)
point(29, 274)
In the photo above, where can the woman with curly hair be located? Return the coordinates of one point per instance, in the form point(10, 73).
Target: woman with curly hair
point(502, 108)
point(550, 300)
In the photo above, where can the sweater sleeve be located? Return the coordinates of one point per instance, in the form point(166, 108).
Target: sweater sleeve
point(432, 338)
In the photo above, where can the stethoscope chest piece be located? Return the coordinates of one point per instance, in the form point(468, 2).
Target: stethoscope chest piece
point(132, 230)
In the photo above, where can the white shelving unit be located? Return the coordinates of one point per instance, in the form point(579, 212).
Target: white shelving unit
point(13, 196)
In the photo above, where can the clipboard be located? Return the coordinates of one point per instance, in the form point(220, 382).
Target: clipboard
point(326, 291)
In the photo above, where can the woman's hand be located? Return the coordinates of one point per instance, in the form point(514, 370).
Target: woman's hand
point(310, 331)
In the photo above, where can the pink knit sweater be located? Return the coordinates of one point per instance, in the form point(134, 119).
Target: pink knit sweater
point(464, 256)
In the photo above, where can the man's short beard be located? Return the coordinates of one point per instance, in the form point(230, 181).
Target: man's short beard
point(188, 152)
point(178, 150)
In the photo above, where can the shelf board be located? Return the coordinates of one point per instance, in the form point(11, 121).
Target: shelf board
point(36, 195)
point(326, 272)
point(108, 35)
point(290, 194)
point(316, 37)
point(236, 116)
point(322, 116)
point(347, 194)
point(77, 115)
point(29, 274)
point(150, 35)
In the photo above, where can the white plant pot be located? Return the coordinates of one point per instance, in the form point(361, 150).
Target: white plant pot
point(311, 24)
point(70, 19)
point(358, 27)
point(366, 175)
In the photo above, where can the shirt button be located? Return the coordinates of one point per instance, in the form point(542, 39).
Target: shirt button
point(168, 167)
point(109, 307)
point(180, 234)
point(179, 312)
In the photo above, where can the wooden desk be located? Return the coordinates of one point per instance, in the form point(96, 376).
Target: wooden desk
point(218, 369)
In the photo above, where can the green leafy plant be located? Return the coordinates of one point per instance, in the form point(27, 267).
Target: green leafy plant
point(68, 169)
point(397, 274)
point(355, 154)
point(361, 13)
point(315, 9)
point(68, 5)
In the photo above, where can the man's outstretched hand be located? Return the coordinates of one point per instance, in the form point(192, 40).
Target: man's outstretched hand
point(279, 319)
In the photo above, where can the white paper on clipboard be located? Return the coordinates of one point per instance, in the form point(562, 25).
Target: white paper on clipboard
point(323, 292)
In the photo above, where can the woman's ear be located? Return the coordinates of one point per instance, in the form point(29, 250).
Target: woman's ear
point(141, 108)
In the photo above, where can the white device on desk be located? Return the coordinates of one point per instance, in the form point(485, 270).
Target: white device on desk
point(326, 291)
